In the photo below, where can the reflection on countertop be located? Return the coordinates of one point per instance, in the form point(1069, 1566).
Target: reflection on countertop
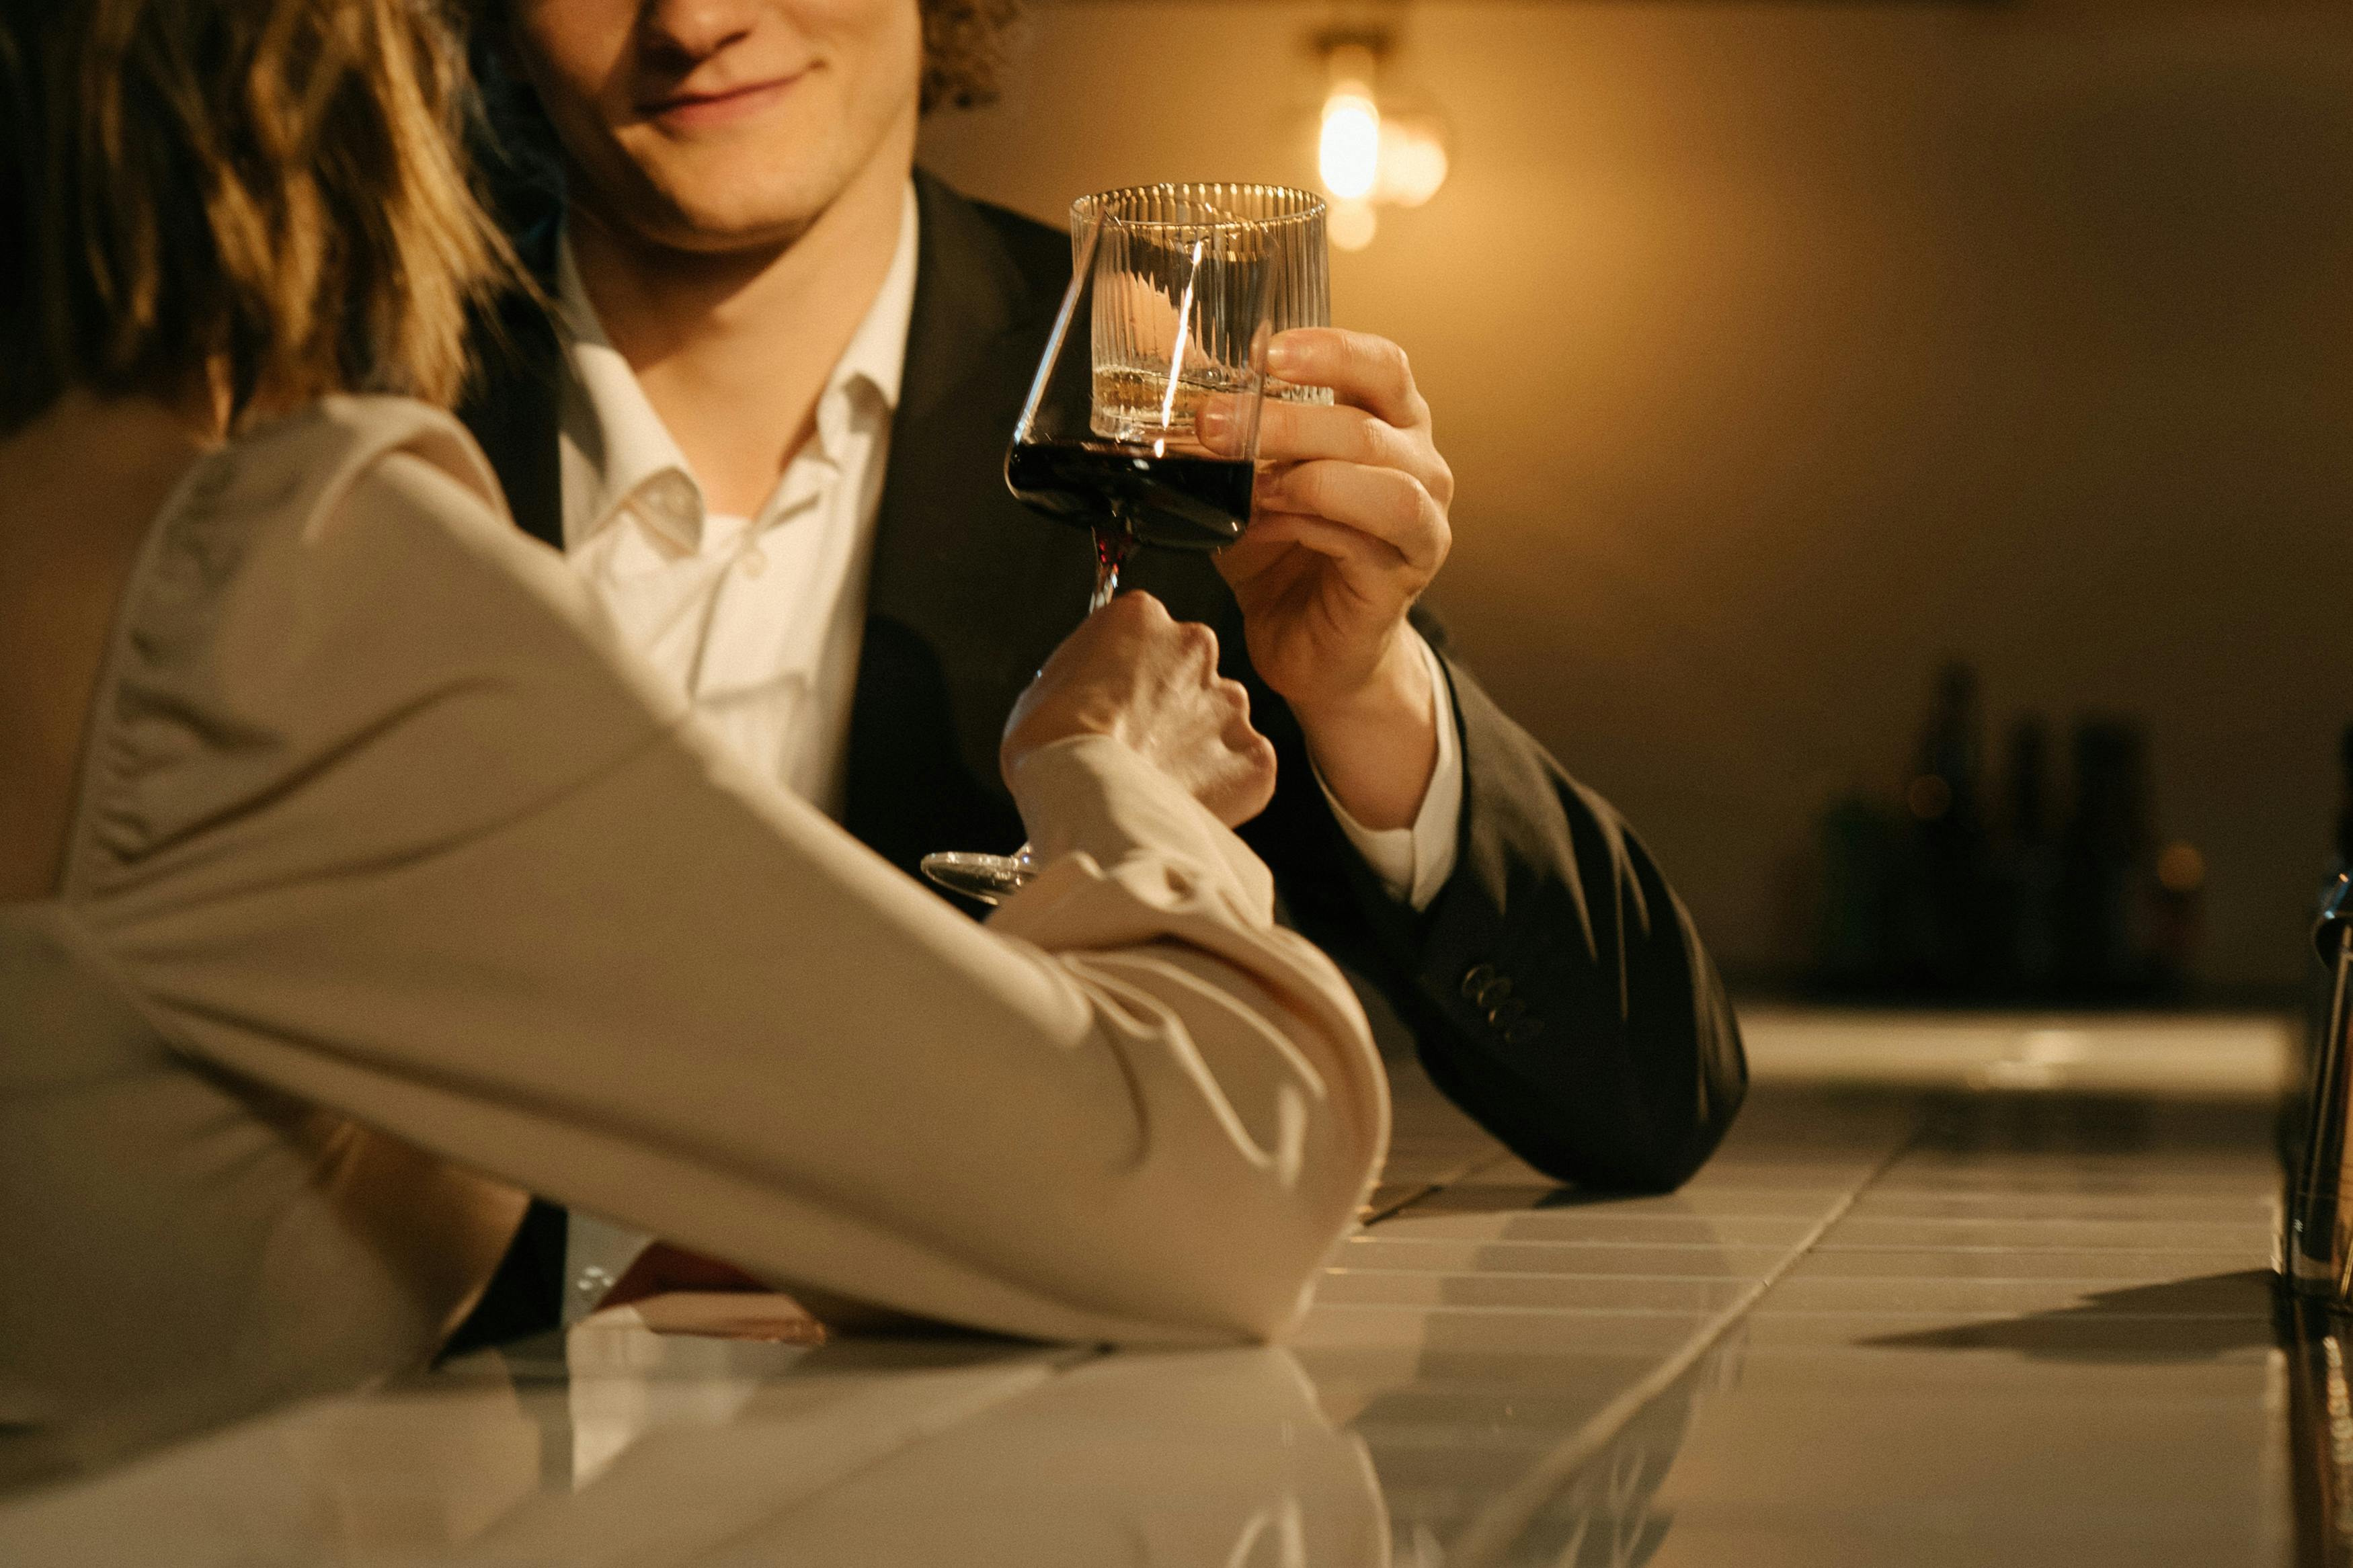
point(1893, 1325)
point(655, 1450)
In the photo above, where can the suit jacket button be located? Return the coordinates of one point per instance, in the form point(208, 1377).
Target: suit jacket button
point(1492, 993)
point(1504, 1014)
point(1520, 1032)
point(1475, 979)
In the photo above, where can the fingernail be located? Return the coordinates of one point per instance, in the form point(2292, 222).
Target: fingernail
point(1281, 356)
point(1214, 420)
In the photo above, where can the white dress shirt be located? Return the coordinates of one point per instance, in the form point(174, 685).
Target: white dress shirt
point(758, 620)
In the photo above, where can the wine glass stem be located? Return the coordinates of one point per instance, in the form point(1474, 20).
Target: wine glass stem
point(1113, 543)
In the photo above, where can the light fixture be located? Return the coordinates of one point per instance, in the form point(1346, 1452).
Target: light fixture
point(1371, 148)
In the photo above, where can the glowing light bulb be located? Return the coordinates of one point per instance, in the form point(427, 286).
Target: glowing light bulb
point(1348, 152)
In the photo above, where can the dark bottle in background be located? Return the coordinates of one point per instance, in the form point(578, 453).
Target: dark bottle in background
point(1860, 846)
point(1950, 924)
point(2027, 860)
point(2023, 887)
point(2104, 894)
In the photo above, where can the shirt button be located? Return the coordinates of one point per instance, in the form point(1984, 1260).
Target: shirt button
point(753, 562)
point(1475, 979)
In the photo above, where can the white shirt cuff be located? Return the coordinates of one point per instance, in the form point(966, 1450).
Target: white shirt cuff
point(1414, 862)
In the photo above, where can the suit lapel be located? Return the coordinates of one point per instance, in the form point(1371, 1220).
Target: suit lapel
point(969, 590)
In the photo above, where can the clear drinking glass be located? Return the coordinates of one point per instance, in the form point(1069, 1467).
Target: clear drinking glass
point(1175, 293)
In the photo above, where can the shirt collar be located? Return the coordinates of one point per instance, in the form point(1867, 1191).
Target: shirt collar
point(623, 453)
point(876, 354)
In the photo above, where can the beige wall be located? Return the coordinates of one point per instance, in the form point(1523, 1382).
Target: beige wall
point(1783, 349)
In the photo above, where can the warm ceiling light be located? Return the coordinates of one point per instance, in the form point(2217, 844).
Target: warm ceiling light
point(1367, 152)
point(1348, 152)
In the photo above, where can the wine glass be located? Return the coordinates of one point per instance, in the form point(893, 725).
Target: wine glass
point(1175, 291)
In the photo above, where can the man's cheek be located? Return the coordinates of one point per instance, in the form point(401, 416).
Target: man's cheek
point(577, 51)
point(883, 39)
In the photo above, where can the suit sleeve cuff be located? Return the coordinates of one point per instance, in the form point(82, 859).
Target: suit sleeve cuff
point(1413, 863)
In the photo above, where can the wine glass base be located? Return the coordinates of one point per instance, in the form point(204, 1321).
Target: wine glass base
point(985, 878)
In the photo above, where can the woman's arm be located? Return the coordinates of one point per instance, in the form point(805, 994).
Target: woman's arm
point(394, 826)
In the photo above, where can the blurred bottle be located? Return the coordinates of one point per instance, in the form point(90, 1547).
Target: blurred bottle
point(2105, 890)
point(1858, 843)
point(1952, 933)
point(2027, 859)
point(2178, 917)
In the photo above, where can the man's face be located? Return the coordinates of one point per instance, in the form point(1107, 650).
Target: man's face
point(716, 125)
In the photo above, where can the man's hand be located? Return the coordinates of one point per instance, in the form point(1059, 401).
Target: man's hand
point(1347, 527)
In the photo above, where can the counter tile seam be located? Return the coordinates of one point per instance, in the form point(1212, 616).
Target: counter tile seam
point(1492, 1533)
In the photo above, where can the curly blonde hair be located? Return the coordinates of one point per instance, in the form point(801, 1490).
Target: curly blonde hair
point(273, 185)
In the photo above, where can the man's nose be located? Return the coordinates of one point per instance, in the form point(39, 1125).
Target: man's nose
point(694, 29)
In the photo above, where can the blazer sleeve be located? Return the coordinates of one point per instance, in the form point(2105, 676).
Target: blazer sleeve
point(1557, 989)
point(383, 816)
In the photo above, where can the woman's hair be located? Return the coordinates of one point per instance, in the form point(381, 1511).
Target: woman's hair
point(275, 188)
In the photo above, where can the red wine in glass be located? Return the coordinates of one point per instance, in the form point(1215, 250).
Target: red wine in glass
point(1132, 495)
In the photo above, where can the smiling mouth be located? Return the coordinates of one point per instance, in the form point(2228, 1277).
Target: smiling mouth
point(690, 110)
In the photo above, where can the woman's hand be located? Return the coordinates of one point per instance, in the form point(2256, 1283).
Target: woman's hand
point(1132, 673)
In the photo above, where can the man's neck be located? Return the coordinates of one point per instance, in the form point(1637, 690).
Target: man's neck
point(735, 349)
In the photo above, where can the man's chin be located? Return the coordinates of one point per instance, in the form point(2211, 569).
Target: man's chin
point(732, 231)
point(757, 195)
point(733, 221)
point(714, 199)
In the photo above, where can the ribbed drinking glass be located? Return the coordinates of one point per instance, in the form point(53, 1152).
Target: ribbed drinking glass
point(1175, 292)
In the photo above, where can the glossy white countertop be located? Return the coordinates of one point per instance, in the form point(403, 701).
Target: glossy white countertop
point(1882, 1327)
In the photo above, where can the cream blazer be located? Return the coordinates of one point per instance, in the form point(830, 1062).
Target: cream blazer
point(398, 885)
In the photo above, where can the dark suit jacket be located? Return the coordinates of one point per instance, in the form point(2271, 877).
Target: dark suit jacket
point(1556, 988)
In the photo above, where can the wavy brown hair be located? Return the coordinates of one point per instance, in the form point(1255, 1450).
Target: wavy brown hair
point(272, 187)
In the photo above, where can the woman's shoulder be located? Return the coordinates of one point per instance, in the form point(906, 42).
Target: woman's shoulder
point(330, 517)
point(405, 483)
point(299, 468)
point(335, 610)
point(296, 491)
